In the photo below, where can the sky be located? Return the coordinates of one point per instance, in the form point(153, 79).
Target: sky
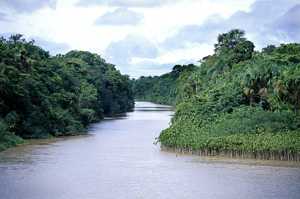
point(148, 37)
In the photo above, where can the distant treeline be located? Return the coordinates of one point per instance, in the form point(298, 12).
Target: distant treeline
point(165, 89)
point(43, 95)
point(238, 102)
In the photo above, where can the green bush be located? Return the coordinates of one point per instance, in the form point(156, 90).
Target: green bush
point(241, 103)
point(43, 95)
point(163, 89)
point(7, 139)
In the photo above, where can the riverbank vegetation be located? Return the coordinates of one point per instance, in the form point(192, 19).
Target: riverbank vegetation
point(240, 101)
point(163, 89)
point(43, 95)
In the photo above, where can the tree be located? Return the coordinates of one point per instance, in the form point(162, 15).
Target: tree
point(234, 46)
point(42, 95)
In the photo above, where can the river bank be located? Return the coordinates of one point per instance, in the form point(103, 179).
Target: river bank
point(264, 146)
point(264, 155)
point(16, 141)
point(117, 159)
point(223, 159)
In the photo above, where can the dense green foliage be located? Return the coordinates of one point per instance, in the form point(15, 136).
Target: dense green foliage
point(239, 99)
point(163, 89)
point(42, 96)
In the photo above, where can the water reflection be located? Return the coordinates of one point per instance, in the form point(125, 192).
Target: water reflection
point(118, 160)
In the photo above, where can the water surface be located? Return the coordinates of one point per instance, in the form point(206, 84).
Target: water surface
point(118, 160)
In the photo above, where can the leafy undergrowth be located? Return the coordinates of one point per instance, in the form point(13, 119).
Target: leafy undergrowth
point(8, 139)
point(240, 100)
point(245, 130)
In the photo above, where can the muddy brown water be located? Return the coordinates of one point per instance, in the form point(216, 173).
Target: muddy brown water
point(118, 160)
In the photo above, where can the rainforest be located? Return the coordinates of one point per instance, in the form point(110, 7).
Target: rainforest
point(146, 99)
point(237, 102)
point(45, 96)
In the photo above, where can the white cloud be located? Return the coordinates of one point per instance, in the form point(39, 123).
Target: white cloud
point(147, 37)
point(51, 46)
point(120, 16)
point(26, 6)
point(192, 52)
point(121, 52)
point(125, 3)
point(3, 16)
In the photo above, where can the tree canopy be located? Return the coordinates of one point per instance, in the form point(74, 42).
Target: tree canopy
point(43, 96)
point(238, 99)
point(163, 89)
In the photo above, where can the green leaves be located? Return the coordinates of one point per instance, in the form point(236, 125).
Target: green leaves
point(165, 89)
point(233, 48)
point(240, 101)
point(42, 95)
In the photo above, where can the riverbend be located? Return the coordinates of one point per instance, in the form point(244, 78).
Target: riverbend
point(117, 159)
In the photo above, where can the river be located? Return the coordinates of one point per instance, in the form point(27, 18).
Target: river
point(118, 160)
